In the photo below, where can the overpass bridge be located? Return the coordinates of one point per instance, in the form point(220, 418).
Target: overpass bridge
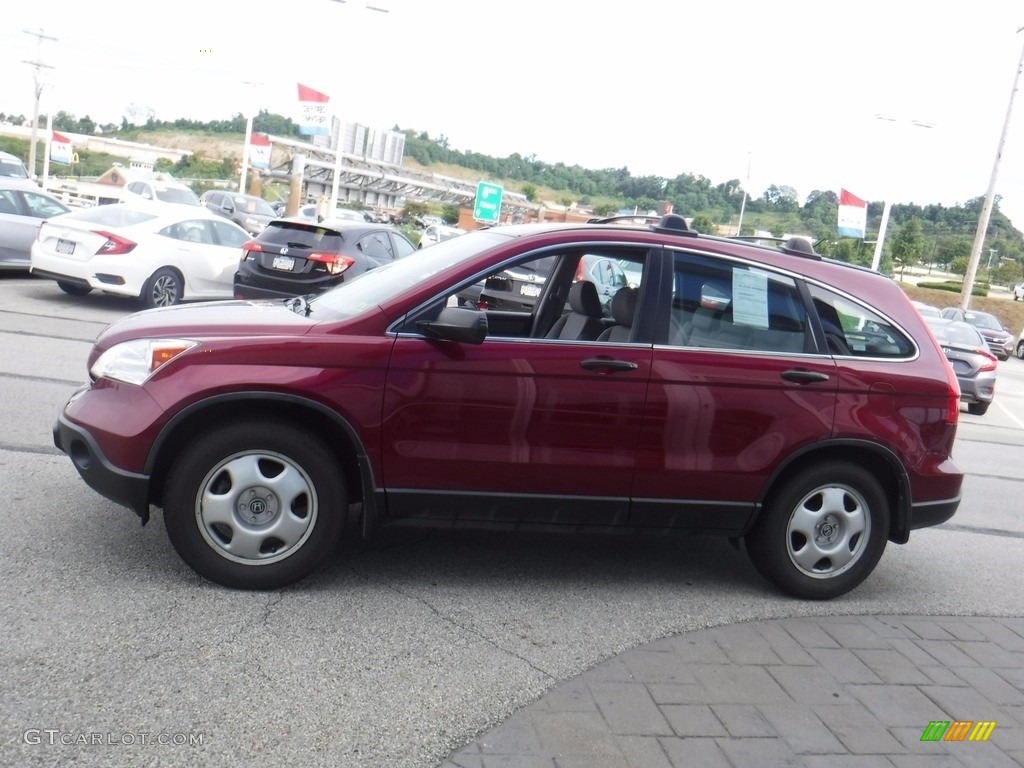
point(376, 183)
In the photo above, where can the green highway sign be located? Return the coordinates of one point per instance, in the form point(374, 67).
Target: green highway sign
point(487, 207)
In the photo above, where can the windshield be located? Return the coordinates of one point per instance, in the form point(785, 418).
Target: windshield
point(955, 332)
point(175, 195)
point(981, 320)
point(112, 216)
point(12, 168)
point(255, 205)
point(379, 285)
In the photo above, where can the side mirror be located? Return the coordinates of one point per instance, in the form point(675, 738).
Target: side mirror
point(467, 326)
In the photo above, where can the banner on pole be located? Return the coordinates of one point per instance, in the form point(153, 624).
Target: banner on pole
point(315, 120)
point(259, 150)
point(853, 215)
point(61, 149)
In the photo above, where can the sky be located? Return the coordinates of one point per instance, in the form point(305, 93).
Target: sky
point(807, 94)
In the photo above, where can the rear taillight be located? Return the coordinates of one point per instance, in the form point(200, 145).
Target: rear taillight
point(250, 248)
point(334, 262)
point(115, 245)
point(990, 360)
point(952, 395)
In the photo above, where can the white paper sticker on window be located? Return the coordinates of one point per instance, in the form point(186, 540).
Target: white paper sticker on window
point(750, 298)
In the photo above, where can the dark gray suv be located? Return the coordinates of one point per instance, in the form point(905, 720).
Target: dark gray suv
point(249, 212)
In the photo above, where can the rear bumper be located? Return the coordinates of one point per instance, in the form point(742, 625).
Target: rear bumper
point(255, 287)
point(931, 513)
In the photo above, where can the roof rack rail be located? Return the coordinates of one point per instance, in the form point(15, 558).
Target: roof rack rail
point(673, 224)
point(794, 246)
point(635, 218)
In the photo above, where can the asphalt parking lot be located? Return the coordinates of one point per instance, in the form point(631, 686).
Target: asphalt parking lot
point(400, 652)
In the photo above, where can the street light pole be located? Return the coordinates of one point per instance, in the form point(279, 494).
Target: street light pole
point(743, 205)
point(986, 208)
point(336, 123)
point(876, 259)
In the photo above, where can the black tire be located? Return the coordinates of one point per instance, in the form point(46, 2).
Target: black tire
point(73, 289)
point(978, 409)
point(163, 289)
point(849, 512)
point(255, 505)
point(1020, 349)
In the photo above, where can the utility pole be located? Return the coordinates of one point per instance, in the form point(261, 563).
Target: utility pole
point(37, 68)
point(248, 135)
point(986, 208)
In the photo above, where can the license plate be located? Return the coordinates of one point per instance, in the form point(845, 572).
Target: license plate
point(284, 262)
point(66, 247)
point(529, 290)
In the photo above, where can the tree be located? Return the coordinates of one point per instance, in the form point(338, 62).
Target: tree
point(781, 198)
point(530, 192)
point(450, 213)
point(703, 223)
point(909, 245)
point(413, 209)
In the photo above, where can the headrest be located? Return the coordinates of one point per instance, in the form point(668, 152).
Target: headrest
point(583, 299)
point(624, 306)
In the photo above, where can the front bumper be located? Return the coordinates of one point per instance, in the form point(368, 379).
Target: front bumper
point(118, 485)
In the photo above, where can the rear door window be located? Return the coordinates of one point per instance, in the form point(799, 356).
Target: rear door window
point(719, 304)
point(377, 245)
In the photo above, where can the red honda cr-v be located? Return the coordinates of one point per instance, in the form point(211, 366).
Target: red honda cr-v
point(770, 395)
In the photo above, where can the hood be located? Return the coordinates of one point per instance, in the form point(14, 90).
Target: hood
point(220, 318)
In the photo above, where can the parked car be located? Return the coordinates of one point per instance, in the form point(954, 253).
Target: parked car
point(927, 310)
point(998, 337)
point(973, 363)
point(161, 255)
point(810, 412)
point(1018, 292)
point(1019, 348)
point(435, 233)
point(155, 190)
point(249, 212)
point(296, 258)
point(23, 208)
point(311, 212)
point(11, 165)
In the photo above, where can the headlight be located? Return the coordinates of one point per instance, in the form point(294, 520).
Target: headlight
point(133, 362)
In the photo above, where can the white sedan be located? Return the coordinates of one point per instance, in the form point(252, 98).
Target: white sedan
point(160, 255)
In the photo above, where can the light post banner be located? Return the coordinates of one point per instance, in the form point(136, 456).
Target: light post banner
point(61, 149)
point(259, 150)
point(853, 215)
point(315, 120)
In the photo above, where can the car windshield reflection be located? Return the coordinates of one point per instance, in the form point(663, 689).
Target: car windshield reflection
point(377, 286)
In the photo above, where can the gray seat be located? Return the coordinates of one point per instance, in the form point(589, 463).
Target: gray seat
point(584, 319)
point(623, 310)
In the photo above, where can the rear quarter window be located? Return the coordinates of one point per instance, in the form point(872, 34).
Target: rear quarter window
point(852, 329)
